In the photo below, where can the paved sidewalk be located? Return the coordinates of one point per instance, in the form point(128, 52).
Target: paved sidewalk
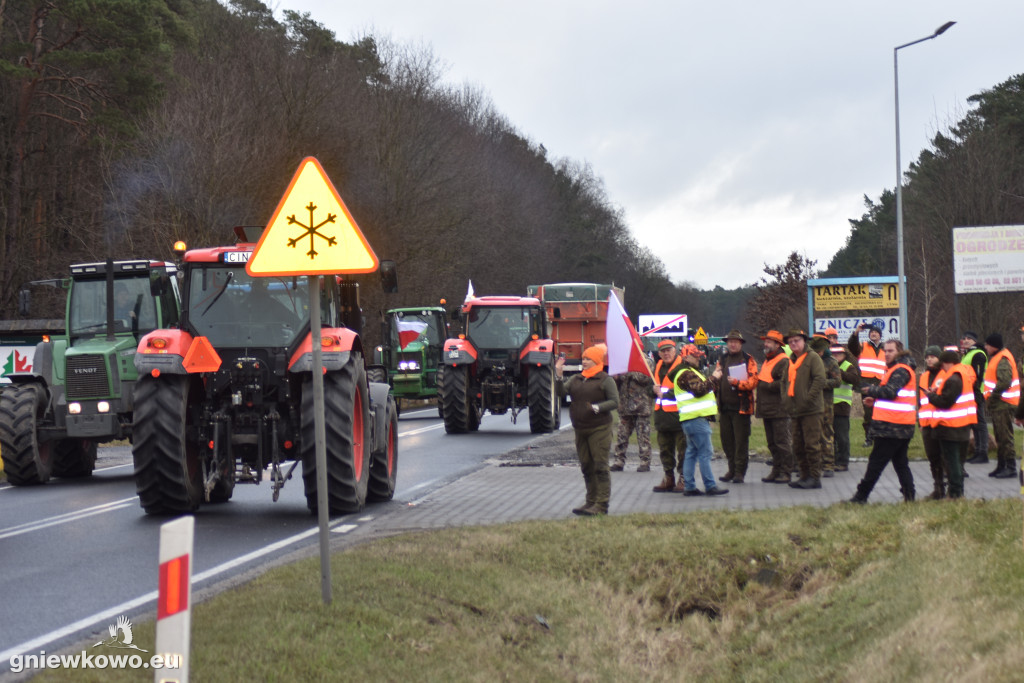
point(505, 492)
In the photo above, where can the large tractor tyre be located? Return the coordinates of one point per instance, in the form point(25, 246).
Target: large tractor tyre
point(542, 400)
point(168, 470)
point(384, 462)
point(457, 408)
point(73, 457)
point(346, 428)
point(26, 461)
point(377, 374)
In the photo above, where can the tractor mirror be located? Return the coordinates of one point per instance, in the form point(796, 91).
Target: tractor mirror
point(389, 277)
point(24, 302)
point(158, 282)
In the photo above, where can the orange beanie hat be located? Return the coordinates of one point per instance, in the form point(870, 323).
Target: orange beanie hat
point(596, 354)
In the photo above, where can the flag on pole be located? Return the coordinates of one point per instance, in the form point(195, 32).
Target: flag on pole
point(625, 352)
point(410, 331)
point(469, 292)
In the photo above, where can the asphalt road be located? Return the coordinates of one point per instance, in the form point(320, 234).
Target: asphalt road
point(76, 554)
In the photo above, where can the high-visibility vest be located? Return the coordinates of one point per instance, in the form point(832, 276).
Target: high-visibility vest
point(871, 362)
point(925, 409)
point(968, 359)
point(1011, 395)
point(690, 406)
point(765, 374)
point(666, 400)
point(900, 411)
point(965, 411)
point(844, 392)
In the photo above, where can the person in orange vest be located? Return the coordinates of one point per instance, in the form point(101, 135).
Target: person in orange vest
point(871, 363)
point(895, 416)
point(671, 439)
point(1002, 396)
point(955, 410)
point(769, 406)
point(735, 378)
point(805, 403)
point(926, 420)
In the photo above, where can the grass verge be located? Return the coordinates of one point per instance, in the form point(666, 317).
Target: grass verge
point(930, 591)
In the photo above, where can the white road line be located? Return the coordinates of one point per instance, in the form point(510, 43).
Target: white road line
point(66, 518)
point(30, 646)
point(420, 430)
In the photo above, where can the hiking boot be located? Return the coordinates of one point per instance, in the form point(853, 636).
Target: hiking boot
point(692, 492)
point(727, 476)
point(998, 471)
point(737, 480)
point(857, 500)
point(617, 467)
point(580, 509)
point(827, 474)
point(938, 493)
point(666, 485)
point(806, 483)
point(643, 467)
point(716, 491)
point(781, 479)
point(592, 511)
point(770, 479)
point(1006, 473)
point(978, 460)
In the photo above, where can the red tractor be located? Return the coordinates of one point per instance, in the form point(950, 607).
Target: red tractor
point(227, 398)
point(502, 362)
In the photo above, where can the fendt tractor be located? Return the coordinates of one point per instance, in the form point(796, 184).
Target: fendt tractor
point(502, 362)
point(228, 395)
point(409, 357)
point(78, 392)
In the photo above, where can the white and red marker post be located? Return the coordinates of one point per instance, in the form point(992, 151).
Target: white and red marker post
point(174, 600)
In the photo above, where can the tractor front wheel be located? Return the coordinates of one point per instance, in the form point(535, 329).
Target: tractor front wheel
point(457, 406)
point(544, 409)
point(168, 471)
point(384, 462)
point(26, 460)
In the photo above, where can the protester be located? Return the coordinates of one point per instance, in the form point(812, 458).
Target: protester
point(871, 365)
point(832, 334)
point(671, 439)
point(594, 397)
point(805, 403)
point(771, 385)
point(1002, 396)
point(927, 421)
point(955, 410)
point(635, 390)
point(735, 378)
point(695, 399)
point(974, 357)
point(895, 414)
point(842, 406)
point(833, 378)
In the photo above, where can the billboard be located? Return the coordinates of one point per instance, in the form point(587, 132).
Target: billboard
point(889, 324)
point(854, 297)
point(988, 259)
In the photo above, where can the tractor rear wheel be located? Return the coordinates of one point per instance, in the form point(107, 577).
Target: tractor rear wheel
point(26, 460)
point(542, 400)
point(377, 374)
point(457, 407)
point(346, 426)
point(168, 471)
point(73, 457)
point(384, 462)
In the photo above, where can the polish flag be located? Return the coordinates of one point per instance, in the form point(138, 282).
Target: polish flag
point(625, 352)
point(408, 332)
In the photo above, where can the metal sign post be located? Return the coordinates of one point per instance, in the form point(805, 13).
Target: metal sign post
point(319, 432)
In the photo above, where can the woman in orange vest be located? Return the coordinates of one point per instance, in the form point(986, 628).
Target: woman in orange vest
point(894, 420)
point(926, 419)
point(954, 411)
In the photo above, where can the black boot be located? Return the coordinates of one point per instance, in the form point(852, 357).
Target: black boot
point(1009, 470)
point(1000, 466)
point(908, 494)
point(939, 492)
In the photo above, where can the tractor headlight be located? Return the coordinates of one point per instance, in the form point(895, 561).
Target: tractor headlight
point(103, 407)
point(408, 366)
point(75, 408)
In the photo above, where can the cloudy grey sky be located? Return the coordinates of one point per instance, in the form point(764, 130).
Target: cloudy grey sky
point(741, 131)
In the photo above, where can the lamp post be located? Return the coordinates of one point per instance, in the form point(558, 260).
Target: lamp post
point(904, 328)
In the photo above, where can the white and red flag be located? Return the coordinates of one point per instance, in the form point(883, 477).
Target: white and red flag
point(409, 331)
point(625, 352)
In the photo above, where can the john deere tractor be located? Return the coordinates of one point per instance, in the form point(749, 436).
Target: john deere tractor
point(409, 358)
point(504, 362)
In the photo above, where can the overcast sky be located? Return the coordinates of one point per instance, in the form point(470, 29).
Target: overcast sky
point(739, 131)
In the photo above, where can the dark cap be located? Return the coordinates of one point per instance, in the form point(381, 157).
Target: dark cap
point(796, 332)
point(819, 344)
point(949, 357)
point(969, 334)
point(995, 340)
point(735, 334)
point(932, 350)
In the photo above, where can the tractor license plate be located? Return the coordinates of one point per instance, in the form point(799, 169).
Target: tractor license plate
point(453, 353)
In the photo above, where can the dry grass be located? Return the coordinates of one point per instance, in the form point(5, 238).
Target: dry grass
point(884, 593)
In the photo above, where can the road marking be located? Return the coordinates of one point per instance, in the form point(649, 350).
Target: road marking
point(108, 614)
point(66, 518)
point(420, 430)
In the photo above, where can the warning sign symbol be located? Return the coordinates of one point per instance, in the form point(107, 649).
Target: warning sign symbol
point(311, 232)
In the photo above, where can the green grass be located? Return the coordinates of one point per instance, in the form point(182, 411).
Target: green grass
point(930, 591)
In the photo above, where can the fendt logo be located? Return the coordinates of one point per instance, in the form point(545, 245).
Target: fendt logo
point(85, 371)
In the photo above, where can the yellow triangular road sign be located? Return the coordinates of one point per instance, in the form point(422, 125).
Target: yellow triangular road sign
point(311, 232)
point(701, 337)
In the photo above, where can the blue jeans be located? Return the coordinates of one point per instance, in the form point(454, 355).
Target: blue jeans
point(698, 450)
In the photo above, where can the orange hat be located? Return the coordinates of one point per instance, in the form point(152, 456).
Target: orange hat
point(665, 343)
point(690, 350)
point(775, 336)
point(832, 330)
point(596, 354)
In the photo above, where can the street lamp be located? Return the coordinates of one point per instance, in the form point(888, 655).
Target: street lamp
point(904, 328)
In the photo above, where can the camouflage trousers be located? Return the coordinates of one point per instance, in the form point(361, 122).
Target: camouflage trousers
point(641, 424)
point(828, 453)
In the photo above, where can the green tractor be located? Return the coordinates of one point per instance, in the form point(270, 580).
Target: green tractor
point(79, 391)
point(409, 358)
